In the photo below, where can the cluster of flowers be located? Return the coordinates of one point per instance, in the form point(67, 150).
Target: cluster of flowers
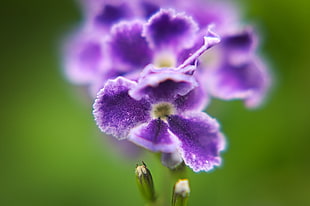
point(152, 68)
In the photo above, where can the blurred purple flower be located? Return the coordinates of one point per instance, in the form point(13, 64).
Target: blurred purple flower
point(161, 114)
point(86, 60)
point(132, 45)
point(236, 71)
point(119, 38)
point(232, 69)
point(149, 57)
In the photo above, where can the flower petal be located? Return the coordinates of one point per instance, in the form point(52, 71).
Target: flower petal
point(163, 85)
point(148, 8)
point(223, 14)
point(128, 49)
point(201, 141)
point(116, 112)
point(98, 83)
point(244, 40)
point(247, 81)
point(238, 48)
point(167, 29)
point(113, 13)
point(197, 99)
point(154, 136)
point(83, 57)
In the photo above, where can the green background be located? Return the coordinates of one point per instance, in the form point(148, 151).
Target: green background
point(51, 152)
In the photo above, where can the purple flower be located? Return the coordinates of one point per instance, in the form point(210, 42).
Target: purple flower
point(132, 45)
point(160, 113)
point(232, 69)
point(119, 38)
point(128, 46)
point(236, 71)
point(161, 41)
point(86, 60)
point(83, 57)
point(147, 59)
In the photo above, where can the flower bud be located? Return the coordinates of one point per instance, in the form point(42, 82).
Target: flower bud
point(145, 182)
point(180, 193)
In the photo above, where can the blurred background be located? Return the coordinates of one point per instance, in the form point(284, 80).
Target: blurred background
point(51, 152)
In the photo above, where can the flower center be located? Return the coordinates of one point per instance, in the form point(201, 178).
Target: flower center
point(162, 110)
point(165, 59)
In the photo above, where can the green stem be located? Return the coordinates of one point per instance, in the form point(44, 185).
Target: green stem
point(178, 173)
point(169, 178)
point(154, 203)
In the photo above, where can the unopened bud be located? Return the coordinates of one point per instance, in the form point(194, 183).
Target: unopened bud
point(145, 182)
point(180, 193)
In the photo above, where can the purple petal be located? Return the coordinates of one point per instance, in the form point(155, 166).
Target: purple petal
point(98, 83)
point(259, 94)
point(128, 49)
point(149, 8)
point(166, 29)
point(110, 73)
point(238, 47)
point(240, 41)
point(111, 14)
point(154, 136)
point(83, 57)
point(201, 140)
point(116, 112)
point(164, 85)
point(197, 99)
point(223, 15)
point(248, 81)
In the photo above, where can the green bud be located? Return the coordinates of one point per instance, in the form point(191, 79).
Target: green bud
point(180, 193)
point(145, 182)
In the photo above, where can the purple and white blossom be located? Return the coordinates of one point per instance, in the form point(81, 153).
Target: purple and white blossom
point(119, 38)
point(233, 69)
point(153, 66)
point(161, 41)
point(238, 72)
point(84, 57)
point(157, 114)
